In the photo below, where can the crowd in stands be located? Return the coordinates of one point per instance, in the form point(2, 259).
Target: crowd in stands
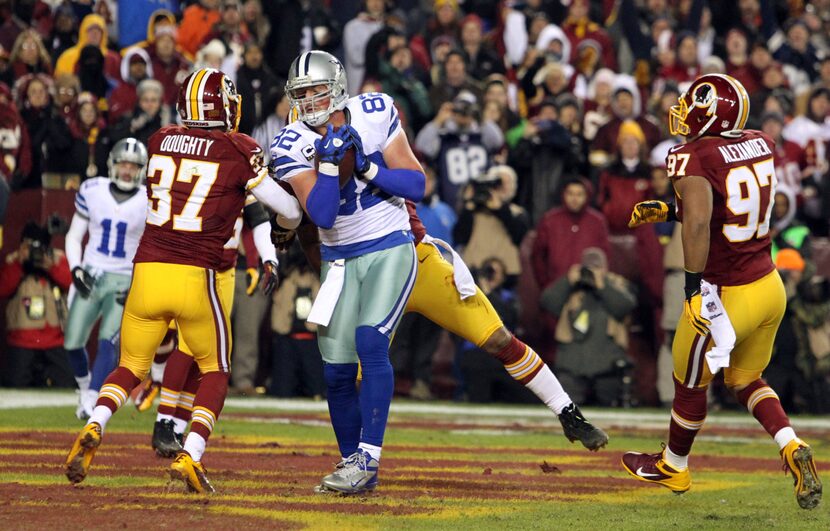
point(539, 124)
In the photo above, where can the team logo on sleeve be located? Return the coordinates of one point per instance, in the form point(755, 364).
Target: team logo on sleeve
point(256, 161)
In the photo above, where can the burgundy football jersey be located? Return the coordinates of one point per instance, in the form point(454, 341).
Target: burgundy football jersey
point(196, 184)
point(742, 174)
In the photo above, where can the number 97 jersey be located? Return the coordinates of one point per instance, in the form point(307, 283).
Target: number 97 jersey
point(196, 185)
point(741, 171)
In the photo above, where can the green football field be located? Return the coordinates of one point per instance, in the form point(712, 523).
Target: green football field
point(444, 466)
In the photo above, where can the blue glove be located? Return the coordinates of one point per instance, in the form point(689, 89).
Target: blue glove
point(361, 161)
point(333, 146)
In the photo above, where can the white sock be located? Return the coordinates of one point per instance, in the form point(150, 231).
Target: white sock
point(164, 416)
point(549, 390)
point(179, 425)
point(157, 371)
point(370, 449)
point(677, 462)
point(101, 415)
point(83, 382)
point(784, 436)
point(194, 444)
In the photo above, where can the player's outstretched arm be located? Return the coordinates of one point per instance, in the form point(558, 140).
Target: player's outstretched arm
point(404, 176)
point(74, 240)
point(284, 204)
point(696, 193)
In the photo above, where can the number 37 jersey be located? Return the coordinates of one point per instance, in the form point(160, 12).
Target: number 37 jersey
point(741, 171)
point(196, 184)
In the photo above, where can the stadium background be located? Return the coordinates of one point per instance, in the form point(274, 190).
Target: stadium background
point(549, 76)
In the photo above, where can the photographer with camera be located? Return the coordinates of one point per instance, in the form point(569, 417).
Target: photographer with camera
point(490, 225)
point(591, 336)
point(36, 278)
point(459, 143)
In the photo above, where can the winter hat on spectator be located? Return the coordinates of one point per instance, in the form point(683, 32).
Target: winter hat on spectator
point(567, 100)
point(603, 75)
point(789, 260)
point(165, 29)
point(626, 83)
point(441, 3)
point(149, 85)
point(713, 65)
point(594, 257)
point(441, 40)
point(551, 33)
point(631, 128)
point(473, 18)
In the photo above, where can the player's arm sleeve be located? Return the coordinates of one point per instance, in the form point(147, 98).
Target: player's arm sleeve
point(289, 212)
point(75, 238)
point(262, 241)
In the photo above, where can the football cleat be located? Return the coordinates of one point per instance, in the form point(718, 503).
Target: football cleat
point(798, 459)
point(192, 474)
point(147, 393)
point(577, 428)
point(166, 441)
point(358, 473)
point(654, 469)
point(83, 450)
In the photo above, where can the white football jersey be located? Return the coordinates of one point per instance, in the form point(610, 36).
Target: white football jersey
point(114, 228)
point(367, 215)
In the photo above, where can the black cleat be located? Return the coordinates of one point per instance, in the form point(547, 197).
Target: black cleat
point(577, 428)
point(166, 442)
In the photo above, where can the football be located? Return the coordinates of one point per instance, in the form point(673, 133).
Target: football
point(346, 166)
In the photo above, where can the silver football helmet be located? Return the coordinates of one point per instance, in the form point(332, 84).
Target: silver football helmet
point(311, 69)
point(128, 150)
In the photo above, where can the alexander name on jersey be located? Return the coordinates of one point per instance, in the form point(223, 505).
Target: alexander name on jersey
point(746, 150)
point(186, 145)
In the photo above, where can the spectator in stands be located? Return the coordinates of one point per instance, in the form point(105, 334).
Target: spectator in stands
point(440, 49)
point(36, 278)
point(400, 79)
point(544, 156)
point(257, 86)
point(29, 55)
point(591, 335)
point(786, 231)
point(496, 93)
point(626, 181)
point(490, 225)
point(482, 59)
point(789, 157)
point(737, 60)
point(93, 32)
point(67, 88)
point(255, 20)
point(579, 27)
point(685, 67)
point(547, 72)
point(484, 378)
point(356, 35)
point(92, 75)
point(454, 80)
point(444, 22)
point(15, 148)
point(438, 217)
point(38, 113)
point(458, 144)
point(136, 66)
point(147, 116)
point(64, 32)
point(799, 367)
point(76, 149)
point(215, 55)
point(265, 132)
point(626, 106)
point(388, 39)
point(170, 66)
point(297, 366)
point(798, 51)
point(598, 103)
point(231, 30)
point(197, 21)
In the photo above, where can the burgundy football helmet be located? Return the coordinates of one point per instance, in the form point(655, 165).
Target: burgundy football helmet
point(715, 104)
point(208, 98)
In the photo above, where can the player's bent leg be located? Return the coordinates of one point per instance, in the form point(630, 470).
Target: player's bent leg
point(82, 315)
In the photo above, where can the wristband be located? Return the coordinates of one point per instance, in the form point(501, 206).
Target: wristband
point(692, 287)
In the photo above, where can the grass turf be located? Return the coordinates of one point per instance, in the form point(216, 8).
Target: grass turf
point(264, 463)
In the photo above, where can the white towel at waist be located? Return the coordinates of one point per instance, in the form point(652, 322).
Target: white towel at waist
point(328, 295)
point(723, 333)
point(464, 283)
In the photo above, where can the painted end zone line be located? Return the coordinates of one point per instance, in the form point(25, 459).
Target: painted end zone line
point(21, 399)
